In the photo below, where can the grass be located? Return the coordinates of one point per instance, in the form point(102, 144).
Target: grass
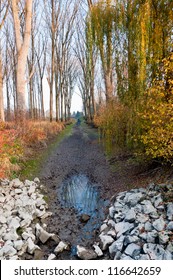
point(30, 168)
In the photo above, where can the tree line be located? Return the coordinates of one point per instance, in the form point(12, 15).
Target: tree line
point(133, 42)
point(37, 41)
point(117, 54)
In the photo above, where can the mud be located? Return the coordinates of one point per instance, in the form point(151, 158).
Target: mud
point(79, 180)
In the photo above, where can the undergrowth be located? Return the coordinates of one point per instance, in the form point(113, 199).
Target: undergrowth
point(18, 143)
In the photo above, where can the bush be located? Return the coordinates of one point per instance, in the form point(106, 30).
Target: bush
point(14, 141)
point(112, 122)
point(156, 116)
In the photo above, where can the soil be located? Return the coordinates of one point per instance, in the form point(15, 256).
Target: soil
point(80, 154)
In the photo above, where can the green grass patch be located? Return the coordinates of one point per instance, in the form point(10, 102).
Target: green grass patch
point(46, 199)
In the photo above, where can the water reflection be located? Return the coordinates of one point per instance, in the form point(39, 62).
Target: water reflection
point(79, 193)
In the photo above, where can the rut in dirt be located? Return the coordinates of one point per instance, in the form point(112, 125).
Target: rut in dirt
point(78, 181)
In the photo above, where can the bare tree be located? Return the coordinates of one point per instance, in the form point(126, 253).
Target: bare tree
point(4, 5)
point(2, 117)
point(41, 54)
point(22, 45)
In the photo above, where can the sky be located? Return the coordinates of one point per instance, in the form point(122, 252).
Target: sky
point(76, 104)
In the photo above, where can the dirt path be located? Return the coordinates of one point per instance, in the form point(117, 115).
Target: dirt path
point(80, 154)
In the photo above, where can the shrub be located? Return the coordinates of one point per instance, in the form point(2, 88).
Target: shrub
point(15, 139)
point(112, 122)
point(156, 116)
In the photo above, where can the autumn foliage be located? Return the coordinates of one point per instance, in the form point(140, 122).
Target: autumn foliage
point(156, 115)
point(14, 141)
point(112, 122)
point(141, 119)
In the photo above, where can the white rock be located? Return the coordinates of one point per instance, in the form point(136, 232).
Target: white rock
point(18, 244)
point(29, 183)
point(133, 198)
point(170, 247)
point(125, 257)
point(143, 257)
point(98, 250)
point(14, 258)
point(170, 211)
point(86, 254)
point(142, 218)
point(51, 257)
point(14, 223)
point(159, 224)
point(16, 183)
point(26, 223)
point(2, 199)
point(31, 189)
point(123, 227)
point(40, 202)
point(148, 208)
point(167, 255)
point(103, 227)
point(3, 220)
point(4, 182)
point(41, 214)
point(37, 180)
point(26, 235)
point(8, 250)
point(116, 246)
point(106, 240)
point(11, 236)
point(42, 234)
point(157, 200)
point(44, 215)
point(23, 249)
point(119, 217)
point(130, 216)
point(170, 226)
point(111, 232)
point(130, 239)
point(163, 238)
point(111, 223)
point(118, 255)
point(18, 191)
point(111, 211)
point(151, 236)
point(148, 226)
point(154, 251)
point(18, 203)
point(133, 250)
point(31, 247)
point(9, 242)
point(61, 247)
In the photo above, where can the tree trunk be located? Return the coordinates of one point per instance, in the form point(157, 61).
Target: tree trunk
point(62, 103)
point(92, 90)
point(42, 99)
point(108, 86)
point(8, 101)
point(2, 116)
point(22, 52)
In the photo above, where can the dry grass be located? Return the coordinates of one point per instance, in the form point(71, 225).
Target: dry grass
point(15, 140)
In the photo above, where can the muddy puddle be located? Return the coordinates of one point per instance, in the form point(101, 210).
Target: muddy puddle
point(80, 194)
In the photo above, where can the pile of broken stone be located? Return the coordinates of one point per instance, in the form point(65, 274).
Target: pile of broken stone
point(21, 204)
point(139, 225)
